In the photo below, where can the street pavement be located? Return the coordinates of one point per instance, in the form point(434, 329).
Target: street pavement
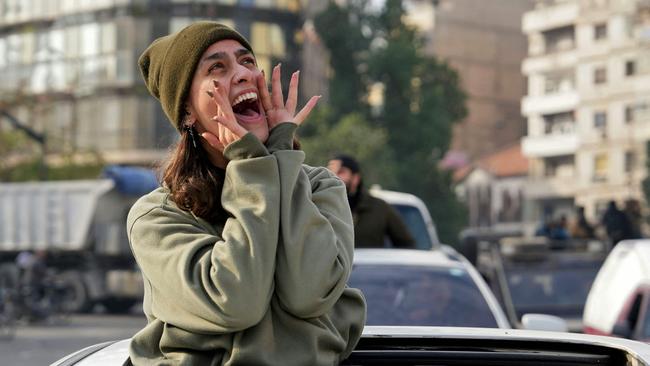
point(42, 344)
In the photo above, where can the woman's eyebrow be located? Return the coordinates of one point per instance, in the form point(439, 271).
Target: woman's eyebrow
point(242, 51)
point(215, 56)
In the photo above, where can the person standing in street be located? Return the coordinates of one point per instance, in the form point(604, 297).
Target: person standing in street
point(245, 251)
point(374, 219)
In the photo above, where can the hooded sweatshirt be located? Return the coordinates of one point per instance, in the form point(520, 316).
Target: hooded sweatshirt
point(267, 286)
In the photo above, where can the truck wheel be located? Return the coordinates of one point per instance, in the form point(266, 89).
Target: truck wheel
point(118, 306)
point(76, 298)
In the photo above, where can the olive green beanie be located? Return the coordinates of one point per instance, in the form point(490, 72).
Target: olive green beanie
point(168, 64)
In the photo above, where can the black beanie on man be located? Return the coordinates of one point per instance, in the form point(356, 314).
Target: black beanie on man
point(168, 64)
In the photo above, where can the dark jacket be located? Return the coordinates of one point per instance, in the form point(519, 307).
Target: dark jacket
point(374, 220)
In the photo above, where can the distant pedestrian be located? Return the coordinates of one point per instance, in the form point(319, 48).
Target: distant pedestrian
point(374, 219)
point(616, 223)
point(632, 211)
point(580, 228)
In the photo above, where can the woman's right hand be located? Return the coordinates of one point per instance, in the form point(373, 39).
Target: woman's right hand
point(225, 130)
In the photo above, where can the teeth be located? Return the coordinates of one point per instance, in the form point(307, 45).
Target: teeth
point(244, 97)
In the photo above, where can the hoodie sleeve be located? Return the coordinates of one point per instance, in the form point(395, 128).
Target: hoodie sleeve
point(314, 257)
point(206, 281)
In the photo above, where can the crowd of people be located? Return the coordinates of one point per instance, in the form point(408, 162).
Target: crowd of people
point(614, 225)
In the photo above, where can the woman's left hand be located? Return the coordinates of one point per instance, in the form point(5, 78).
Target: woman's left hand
point(277, 111)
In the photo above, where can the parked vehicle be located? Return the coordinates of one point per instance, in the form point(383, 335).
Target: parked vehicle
point(619, 299)
point(433, 288)
point(534, 275)
point(408, 346)
point(80, 226)
point(415, 215)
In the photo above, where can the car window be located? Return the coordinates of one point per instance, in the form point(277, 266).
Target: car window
point(549, 290)
point(416, 225)
point(419, 295)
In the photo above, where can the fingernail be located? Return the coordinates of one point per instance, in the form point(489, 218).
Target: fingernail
point(210, 93)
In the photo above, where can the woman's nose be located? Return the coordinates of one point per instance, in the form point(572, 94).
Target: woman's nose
point(242, 74)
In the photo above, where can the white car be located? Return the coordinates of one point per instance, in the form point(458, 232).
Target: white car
point(424, 288)
point(619, 300)
point(415, 215)
point(448, 346)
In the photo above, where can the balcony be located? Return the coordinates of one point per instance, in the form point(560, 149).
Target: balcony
point(552, 187)
point(550, 103)
point(555, 16)
point(554, 144)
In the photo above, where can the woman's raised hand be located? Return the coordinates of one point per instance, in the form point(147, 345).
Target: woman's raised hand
point(226, 130)
point(276, 109)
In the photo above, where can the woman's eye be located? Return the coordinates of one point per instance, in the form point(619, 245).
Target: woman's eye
point(218, 65)
point(248, 60)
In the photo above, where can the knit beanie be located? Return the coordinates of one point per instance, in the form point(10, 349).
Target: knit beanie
point(168, 64)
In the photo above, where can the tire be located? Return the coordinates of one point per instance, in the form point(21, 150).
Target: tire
point(76, 298)
point(118, 305)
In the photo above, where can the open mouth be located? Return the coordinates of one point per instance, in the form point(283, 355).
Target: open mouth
point(246, 107)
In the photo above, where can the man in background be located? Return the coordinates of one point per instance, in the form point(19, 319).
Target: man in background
point(374, 219)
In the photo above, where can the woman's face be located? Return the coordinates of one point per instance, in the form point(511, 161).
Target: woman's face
point(235, 70)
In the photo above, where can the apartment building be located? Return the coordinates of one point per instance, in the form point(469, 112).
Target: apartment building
point(484, 42)
point(68, 68)
point(588, 103)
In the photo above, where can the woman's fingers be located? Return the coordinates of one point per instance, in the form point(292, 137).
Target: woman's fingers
point(276, 87)
point(264, 92)
point(304, 112)
point(292, 97)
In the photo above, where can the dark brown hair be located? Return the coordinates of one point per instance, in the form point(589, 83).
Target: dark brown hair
point(193, 181)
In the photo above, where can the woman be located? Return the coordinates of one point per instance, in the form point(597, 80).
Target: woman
point(245, 251)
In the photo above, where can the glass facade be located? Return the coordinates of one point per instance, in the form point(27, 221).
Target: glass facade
point(75, 63)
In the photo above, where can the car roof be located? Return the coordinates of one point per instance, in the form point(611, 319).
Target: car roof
point(116, 353)
point(432, 258)
point(641, 250)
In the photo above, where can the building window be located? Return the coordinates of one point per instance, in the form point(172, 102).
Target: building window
point(559, 123)
point(600, 120)
point(600, 31)
point(630, 68)
point(559, 166)
point(636, 112)
point(600, 167)
point(600, 75)
point(630, 161)
point(559, 39)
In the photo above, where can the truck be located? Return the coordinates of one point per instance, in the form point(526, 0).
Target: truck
point(80, 225)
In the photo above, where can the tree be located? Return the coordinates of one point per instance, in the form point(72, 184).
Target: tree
point(422, 100)
point(342, 32)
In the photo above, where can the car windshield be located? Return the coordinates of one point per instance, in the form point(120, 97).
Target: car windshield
point(559, 291)
point(416, 225)
point(419, 295)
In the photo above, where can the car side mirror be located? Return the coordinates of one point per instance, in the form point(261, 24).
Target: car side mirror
point(544, 322)
point(622, 329)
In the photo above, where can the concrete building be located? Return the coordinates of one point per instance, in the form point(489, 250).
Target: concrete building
point(483, 41)
point(68, 68)
point(588, 103)
point(493, 189)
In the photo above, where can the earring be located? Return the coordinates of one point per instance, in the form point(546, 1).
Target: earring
point(190, 129)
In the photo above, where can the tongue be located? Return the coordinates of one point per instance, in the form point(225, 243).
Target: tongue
point(249, 112)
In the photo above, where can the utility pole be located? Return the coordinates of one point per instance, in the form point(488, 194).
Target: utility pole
point(38, 137)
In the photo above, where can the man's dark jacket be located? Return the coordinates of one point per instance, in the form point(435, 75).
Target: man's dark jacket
point(374, 220)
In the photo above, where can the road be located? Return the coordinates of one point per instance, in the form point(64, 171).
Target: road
point(43, 344)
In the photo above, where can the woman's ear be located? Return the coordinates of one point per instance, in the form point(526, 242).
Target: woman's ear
point(188, 119)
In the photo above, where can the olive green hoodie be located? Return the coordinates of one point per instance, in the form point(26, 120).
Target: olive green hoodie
point(265, 287)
